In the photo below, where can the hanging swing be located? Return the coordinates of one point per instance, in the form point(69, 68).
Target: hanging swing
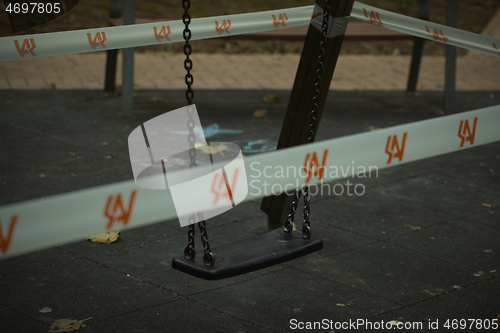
point(275, 246)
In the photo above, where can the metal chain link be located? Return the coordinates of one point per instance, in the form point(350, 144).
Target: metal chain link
point(288, 224)
point(208, 258)
point(306, 226)
point(190, 252)
point(188, 63)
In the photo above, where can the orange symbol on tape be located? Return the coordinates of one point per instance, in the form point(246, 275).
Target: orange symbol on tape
point(495, 46)
point(281, 20)
point(465, 133)
point(393, 149)
point(27, 47)
point(312, 166)
point(221, 188)
point(163, 34)
point(374, 17)
point(315, 15)
point(437, 35)
point(115, 211)
point(5, 242)
point(223, 27)
point(99, 39)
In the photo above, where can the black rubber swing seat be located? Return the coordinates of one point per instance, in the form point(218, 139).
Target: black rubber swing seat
point(250, 255)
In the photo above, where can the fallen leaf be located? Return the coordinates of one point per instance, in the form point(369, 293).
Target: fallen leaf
point(105, 238)
point(45, 310)
point(479, 273)
point(427, 291)
point(414, 228)
point(104, 143)
point(260, 113)
point(66, 325)
point(294, 228)
point(372, 128)
point(211, 150)
point(457, 287)
point(493, 271)
point(42, 175)
point(492, 171)
point(71, 173)
point(486, 205)
point(271, 99)
point(487, 251)
point(340, 304)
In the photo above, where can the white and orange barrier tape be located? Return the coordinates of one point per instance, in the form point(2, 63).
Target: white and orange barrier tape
point(101, 39)
point(41, 223)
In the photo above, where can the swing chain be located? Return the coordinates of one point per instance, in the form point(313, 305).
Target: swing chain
point(208, 258)
point(319, 70)
point(189, 251)
point(188, 63)
point(288, 224)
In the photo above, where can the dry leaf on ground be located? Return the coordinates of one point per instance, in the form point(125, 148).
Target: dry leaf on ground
point(414, 228)
point(271, 99)
point(260, 113)
point(45, 310)
point(66, 325)
point(105, 238)
point(486, 205)
point(479, 273)
point(372, 128)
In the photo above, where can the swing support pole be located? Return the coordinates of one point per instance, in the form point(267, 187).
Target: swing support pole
point(295, 126)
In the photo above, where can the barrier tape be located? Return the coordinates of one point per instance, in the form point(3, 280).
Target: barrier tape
point(51, 221)
point(93, 40)
point(425, 29)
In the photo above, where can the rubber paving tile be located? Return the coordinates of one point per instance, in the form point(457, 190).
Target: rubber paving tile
point(485, 172)
point(34, 260)
point(80, 289)
point(489, 218)
point(274, 299)
point(13, 321)
point(375, 214)
point(178, 316)
point(444, 193)
point(152, 262)
point(460, 242)
point(473, 302)
point(393, 273)
point(127, 238)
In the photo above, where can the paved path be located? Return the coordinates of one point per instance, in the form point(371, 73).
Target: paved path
point(222, 71)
